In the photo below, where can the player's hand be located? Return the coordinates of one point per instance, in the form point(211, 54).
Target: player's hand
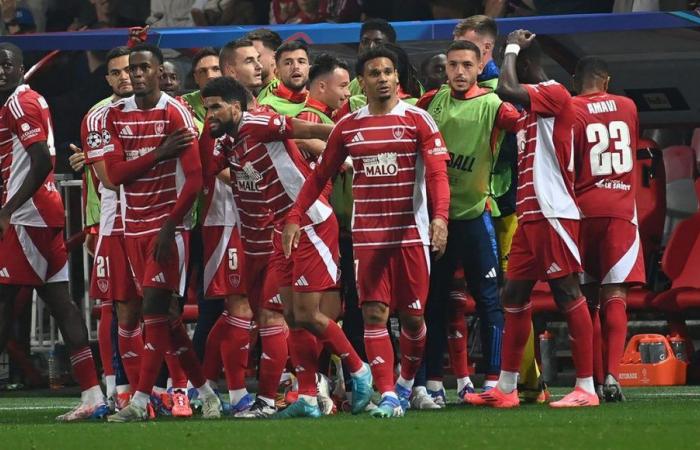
point(77, 159)
point(4, 222)
point(165, 243)
point(290, 238)
point(438, 236)
point(523, 38)
point(174, 144)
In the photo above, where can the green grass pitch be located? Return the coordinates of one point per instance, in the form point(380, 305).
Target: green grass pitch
point(658, 418)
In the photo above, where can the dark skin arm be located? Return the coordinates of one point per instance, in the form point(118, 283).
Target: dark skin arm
point(39, 168)
point(309, 130)
point(509, 88)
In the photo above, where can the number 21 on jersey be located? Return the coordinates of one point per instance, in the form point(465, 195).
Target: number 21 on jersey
point(604, 160)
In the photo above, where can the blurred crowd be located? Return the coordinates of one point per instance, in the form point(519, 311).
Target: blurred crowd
point(28, 16)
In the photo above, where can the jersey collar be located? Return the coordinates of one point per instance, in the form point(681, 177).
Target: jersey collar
point(472, 92)
point(317, 104)
point(284, 92)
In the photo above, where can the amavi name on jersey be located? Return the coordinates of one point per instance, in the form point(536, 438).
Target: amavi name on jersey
point(381, 165)
point(604, 106)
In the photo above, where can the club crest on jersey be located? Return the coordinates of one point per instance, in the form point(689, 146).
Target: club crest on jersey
point(94, 140)
point(397, 132)
point(382, 165)
point(103, 285)
point(160, 127)
point(234, 279)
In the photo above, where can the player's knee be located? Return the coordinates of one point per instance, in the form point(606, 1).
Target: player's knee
point(269, 318)
point(411, 323)
point(375, 313)
point(565, 290)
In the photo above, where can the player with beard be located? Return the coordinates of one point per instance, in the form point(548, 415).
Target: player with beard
point(269, 170)
point(399, 159)
point(151, 150)
point(292, 63)
point(32, 250)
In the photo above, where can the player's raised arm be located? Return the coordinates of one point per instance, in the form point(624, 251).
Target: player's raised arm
point(509, 87)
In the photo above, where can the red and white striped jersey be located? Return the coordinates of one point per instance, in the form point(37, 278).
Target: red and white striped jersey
point(25, 119)
point(111, 223)
point(219, 205)
point(605, 144)
point(545, 155)
point(268, 171)
point(391, 156)
point(129, 133)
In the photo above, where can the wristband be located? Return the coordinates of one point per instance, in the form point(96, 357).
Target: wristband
point(512, 48)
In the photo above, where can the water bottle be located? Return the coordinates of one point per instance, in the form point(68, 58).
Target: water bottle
point(54, 373)
point(548, 355)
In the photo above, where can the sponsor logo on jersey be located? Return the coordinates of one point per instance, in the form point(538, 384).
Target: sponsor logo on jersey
point(615, 185)
point(50, 186)
point(382, 165)
point(25, 127)
point(248, 178)
point(28, 132)
point(415, 305)
point(126, 131)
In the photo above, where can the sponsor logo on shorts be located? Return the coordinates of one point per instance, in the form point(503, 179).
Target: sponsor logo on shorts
point(234, 280)
point(301, 282)
point(103, 285)
point(554, 268)
point(149, 346)
point(160, 278)
point(382, 165)
point(276, 300)
point(415, 305)
point(4, 273)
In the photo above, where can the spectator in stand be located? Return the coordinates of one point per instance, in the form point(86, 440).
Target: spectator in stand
point(223, 12)
point(310, 11)
point(454, 9)
point(547, 7)
point(21, 23)
point(170, 13)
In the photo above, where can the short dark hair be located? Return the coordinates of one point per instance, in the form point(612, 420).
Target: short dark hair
point(270, 39)
point(228, 89)
point(373, 53)
point(152, 49)
point(463, 45)
point(379, 25)
point(203, 53)
point(228, 49)
point(325, 64)
point(291, 46)
point(117, 52)
point(480, 24)
point(590, 67)
point(12, 48)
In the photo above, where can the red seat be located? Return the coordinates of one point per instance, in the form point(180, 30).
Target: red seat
point(681, 263)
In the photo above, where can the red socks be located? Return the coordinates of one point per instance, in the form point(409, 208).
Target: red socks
point(234, 350)
point(412, 347)
point(581, 334)
point(457, 335)
point(212, 352)
point(130, 349)
point(302, 350)
point(157, 341)
point(104, 337)
point(84, 368)
point(272, 360)
point(598, 365)
point(381, 357)
point(182, 346)
point(517, 332)
point(614, 311)
point(338, 344)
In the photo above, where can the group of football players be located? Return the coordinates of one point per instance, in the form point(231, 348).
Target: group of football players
point(291, 195)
